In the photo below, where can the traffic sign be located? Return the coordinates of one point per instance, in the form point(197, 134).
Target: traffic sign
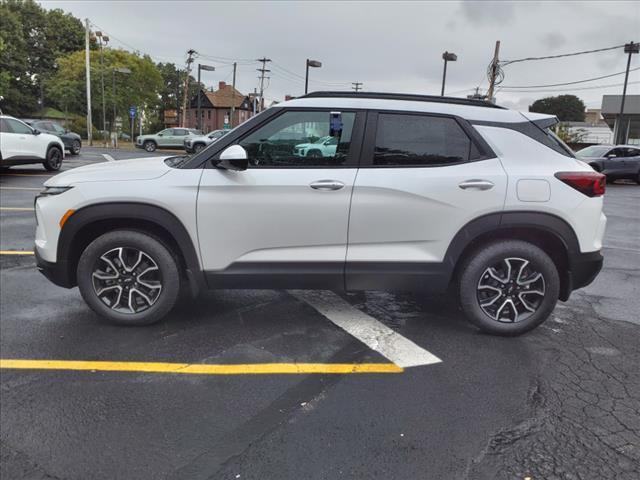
point(132, 111)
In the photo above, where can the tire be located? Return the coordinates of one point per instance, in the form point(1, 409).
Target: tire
point(156, 263)
point(54, 159)
point(638, 178)
point(198, 147)
point(75, 147)
point(149, 146)
point(497, 307)
point(314, 154)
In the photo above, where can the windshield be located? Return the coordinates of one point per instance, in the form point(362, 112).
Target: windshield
point(594, 151)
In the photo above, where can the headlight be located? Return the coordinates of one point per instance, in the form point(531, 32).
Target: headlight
point(53, 191)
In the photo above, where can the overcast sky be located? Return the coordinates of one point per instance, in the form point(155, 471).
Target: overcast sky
point(389, 46)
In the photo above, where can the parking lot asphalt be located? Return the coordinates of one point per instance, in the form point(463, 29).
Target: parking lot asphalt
point(562, 402)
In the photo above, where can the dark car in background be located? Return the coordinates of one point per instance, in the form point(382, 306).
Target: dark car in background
point(617, 162)
point(72, 141)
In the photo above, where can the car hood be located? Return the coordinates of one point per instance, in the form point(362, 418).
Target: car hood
point(306, 145)
point(119, 170)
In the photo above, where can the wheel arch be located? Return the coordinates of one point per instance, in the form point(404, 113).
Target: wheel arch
point(89, 222)
point(547, 231)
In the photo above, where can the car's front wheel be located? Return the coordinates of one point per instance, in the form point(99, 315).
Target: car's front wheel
point(75, 147)
point(128, 277)
point(508, 287)
point(54, 159)
point(150, 146)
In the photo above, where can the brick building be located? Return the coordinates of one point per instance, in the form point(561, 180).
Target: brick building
point(216, 106)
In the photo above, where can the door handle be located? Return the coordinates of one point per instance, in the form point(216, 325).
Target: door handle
point(478, 184)
point(326, 185)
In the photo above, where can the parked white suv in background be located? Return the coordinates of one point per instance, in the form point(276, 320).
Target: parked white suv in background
point(422, 193)
point(194, 144)
point(21, 145)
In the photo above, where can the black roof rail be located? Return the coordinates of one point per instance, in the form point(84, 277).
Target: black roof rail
point(403, 96)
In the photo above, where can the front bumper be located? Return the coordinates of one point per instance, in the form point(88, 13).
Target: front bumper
point(56, 272)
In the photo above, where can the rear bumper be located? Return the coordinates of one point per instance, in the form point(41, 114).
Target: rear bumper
point(584, 268)
point(56, 272)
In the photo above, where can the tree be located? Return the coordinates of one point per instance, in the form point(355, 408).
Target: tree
point(172, 91)
point(568, 108)
point(32, 38)
point(139, 88)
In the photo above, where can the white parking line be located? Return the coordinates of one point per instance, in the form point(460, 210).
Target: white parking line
point(377, 336)
point(108, 157)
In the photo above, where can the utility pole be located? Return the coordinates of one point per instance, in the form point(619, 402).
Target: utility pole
point(493, 72)
point(233, 101)
point(191, 53)
point(87, 34)
point(357, 86)
point(262, 71)
point(621, 137)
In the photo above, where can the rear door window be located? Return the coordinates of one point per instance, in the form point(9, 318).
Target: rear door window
point(420, 140)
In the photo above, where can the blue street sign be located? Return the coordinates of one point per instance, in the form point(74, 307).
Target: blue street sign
point(132, 111)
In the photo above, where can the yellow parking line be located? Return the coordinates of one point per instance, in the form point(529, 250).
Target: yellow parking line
point(16, 209)
point(21, 188)
point(201, 369)
point(15, 252)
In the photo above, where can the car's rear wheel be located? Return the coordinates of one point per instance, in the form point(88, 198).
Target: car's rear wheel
point(129, 278)
point(508, 287)
point(75, 147)
point(150, 146)
point(54, 159)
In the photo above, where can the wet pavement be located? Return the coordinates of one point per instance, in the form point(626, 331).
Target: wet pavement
point(562, 402)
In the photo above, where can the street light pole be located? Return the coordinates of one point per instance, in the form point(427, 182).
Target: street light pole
point(119, 70)
point(310, 63)
point(207, 68)
point(629, 48)
point(447, 57)
point(102, 38)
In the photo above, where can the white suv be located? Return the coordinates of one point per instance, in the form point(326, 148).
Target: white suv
point(423, 193)
point(20, 145)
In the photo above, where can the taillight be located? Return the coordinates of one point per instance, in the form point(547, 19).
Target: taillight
point(592, 184)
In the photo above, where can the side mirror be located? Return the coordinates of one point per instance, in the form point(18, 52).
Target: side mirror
point(161, 134)
point(36, 131)
point(611, 155)
point(233, 158)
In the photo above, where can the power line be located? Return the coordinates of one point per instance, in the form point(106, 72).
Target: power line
point(595, 87)
point(509, 62)
point(572, 83)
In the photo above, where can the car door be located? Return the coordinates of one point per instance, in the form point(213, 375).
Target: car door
point(614, 162)
point(165, 137)
point(421, 179)
point(22, 140)
point(177, 139)
point(631, 160)
point(283, 221)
